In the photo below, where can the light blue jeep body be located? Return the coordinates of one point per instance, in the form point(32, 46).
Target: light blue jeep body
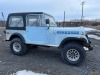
point(48, 34)
point(51, 36)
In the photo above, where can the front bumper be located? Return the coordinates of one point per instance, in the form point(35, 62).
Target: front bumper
point(90, 48)
point(88, 45)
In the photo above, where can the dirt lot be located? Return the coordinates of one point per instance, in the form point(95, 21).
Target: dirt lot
point(47, 60)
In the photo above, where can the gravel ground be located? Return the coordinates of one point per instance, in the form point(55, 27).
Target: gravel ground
point(47, 60)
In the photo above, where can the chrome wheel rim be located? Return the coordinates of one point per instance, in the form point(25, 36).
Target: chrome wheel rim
point(73, 55)
point(16, 47)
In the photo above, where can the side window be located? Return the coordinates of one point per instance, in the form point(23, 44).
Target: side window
point(33, 20)
point(16, 21)
point(43, 23)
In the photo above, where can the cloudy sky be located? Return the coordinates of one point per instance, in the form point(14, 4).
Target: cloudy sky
point(53, 7)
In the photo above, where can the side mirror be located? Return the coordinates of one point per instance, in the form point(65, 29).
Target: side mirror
point(47, 21)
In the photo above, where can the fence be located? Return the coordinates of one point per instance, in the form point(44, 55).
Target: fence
point(2, 23)
point(75, 24)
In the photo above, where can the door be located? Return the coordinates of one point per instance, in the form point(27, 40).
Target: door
point(36, 32)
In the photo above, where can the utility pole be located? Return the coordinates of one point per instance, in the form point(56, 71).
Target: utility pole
point(64, 19)
point(82, 16)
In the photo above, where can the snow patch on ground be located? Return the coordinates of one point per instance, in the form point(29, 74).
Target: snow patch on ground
point(89, 29)
point(94, 37)
point(96, 45)
point(25, 72)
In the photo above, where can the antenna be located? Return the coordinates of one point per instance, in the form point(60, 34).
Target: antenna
point(3, 16)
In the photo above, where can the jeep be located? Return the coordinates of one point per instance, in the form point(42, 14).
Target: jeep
point(35, 29)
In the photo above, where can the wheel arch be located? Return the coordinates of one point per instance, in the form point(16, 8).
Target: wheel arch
point(17, 35)
point(81, 41)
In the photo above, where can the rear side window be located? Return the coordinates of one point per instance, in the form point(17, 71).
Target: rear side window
point(16, 21)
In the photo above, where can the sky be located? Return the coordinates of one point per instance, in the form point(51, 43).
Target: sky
point(55, 8)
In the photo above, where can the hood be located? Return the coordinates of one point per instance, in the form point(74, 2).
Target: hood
point(70, 30)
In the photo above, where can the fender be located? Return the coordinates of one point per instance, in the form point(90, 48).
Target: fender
point(73, 39)
point(17, 35)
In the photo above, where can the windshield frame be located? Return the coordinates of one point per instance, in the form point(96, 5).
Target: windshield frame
point(50, 17)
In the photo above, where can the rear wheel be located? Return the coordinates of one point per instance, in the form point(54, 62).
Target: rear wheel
point(73, 54)
point(18, 47)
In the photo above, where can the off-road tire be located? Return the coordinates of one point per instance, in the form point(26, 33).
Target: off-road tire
point(23, 47)
point(79, 48)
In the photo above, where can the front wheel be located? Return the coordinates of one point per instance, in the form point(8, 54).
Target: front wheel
point(73, 54)
point(18, 47)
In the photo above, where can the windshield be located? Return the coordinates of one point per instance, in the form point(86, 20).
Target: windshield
point(52, 21)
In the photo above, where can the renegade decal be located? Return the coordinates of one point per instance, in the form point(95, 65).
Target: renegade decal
point(67, 32)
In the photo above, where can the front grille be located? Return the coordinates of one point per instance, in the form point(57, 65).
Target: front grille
point(88, 38)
